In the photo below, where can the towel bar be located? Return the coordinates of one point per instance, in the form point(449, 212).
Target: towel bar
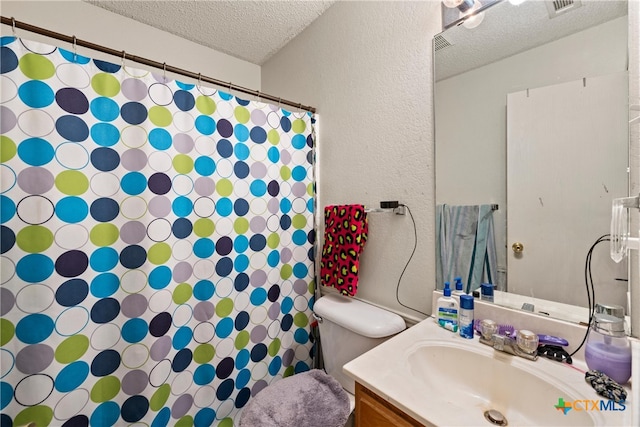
point(400, 210)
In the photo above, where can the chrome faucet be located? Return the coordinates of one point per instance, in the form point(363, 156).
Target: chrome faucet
point(524, 344)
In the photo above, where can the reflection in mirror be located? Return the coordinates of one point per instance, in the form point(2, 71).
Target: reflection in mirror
point(531, 111)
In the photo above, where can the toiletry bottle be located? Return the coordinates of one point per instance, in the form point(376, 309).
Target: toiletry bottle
point(608, 350)
point(458, 290)
point(466, 316)
point(486, 292)
point(448, 310)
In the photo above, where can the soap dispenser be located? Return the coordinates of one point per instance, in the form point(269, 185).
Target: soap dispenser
point(608, 350)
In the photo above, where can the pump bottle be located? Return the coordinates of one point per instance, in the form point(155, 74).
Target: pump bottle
point(448, 310)
point(458, 290)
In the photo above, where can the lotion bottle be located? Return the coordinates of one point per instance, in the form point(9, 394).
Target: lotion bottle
point(486, 292)
point(466, 316)
point(448, 310)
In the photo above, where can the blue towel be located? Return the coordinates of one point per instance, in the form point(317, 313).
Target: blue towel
point(465, 245)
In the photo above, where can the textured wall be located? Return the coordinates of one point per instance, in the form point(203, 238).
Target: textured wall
point(367, 67)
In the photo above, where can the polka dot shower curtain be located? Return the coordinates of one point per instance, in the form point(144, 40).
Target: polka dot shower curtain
point(157, 261)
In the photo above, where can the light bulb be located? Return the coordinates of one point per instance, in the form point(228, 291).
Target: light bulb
point(473, 19)
point(452, 3)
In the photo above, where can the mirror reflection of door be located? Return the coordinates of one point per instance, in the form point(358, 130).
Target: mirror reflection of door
point(566, 160)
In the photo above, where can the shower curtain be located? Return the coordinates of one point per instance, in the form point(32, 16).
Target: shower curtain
point(157, 244)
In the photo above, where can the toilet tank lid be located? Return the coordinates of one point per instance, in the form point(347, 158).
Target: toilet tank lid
point(357, 316)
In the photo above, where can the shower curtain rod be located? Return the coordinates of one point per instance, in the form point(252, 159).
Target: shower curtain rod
point(145, 61)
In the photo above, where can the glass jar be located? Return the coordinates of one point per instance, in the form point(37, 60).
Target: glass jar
point(608, 350)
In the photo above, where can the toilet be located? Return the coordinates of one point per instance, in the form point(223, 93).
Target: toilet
point(348, 329)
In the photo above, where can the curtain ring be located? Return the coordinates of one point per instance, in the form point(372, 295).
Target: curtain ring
point(164, 72)
point(13, 26)
point(199, 79)
point(229, 88)
point(279, 102)
point(124, 54)
point(259, 97)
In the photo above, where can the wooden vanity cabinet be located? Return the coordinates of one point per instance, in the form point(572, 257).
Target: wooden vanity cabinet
point(374, 411)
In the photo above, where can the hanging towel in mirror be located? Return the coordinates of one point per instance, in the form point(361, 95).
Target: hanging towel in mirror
point(345, 234)
point(465, 245)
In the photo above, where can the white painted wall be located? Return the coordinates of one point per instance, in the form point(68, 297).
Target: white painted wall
point(367, 68)
point(94, 24)
point(474, 151)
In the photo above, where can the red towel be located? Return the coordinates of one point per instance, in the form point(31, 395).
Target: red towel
point(345, 233)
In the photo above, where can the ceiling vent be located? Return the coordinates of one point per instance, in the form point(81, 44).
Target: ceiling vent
point(439, 42)
point(558, 7)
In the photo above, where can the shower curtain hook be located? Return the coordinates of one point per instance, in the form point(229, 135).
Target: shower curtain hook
point(199, 79)
point(124, 54)
point(279, 103)
point(229, 87)
point(13, 26)
point(164, 72)
point(259, 97)
point(75, 52)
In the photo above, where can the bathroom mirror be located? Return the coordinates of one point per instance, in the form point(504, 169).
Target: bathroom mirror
point(485, 79)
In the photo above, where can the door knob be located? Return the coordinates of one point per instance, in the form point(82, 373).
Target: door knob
point(517, 247)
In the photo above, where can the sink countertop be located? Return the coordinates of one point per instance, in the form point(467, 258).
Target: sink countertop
point(382, 371)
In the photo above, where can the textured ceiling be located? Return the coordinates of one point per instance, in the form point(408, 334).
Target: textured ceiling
point(507, 30)
point(247, 29)
point(254, 30)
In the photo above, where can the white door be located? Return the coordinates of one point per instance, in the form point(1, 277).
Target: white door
point(567, 157)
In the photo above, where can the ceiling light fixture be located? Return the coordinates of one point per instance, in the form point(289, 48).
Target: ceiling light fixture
point(461, 5)
point(471, 18)
point(468, 11)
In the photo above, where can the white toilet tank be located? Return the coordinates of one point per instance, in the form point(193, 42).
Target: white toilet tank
point(349, 328)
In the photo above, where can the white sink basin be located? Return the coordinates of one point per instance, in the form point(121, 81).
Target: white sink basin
point(441, 379)
point(473, 380)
